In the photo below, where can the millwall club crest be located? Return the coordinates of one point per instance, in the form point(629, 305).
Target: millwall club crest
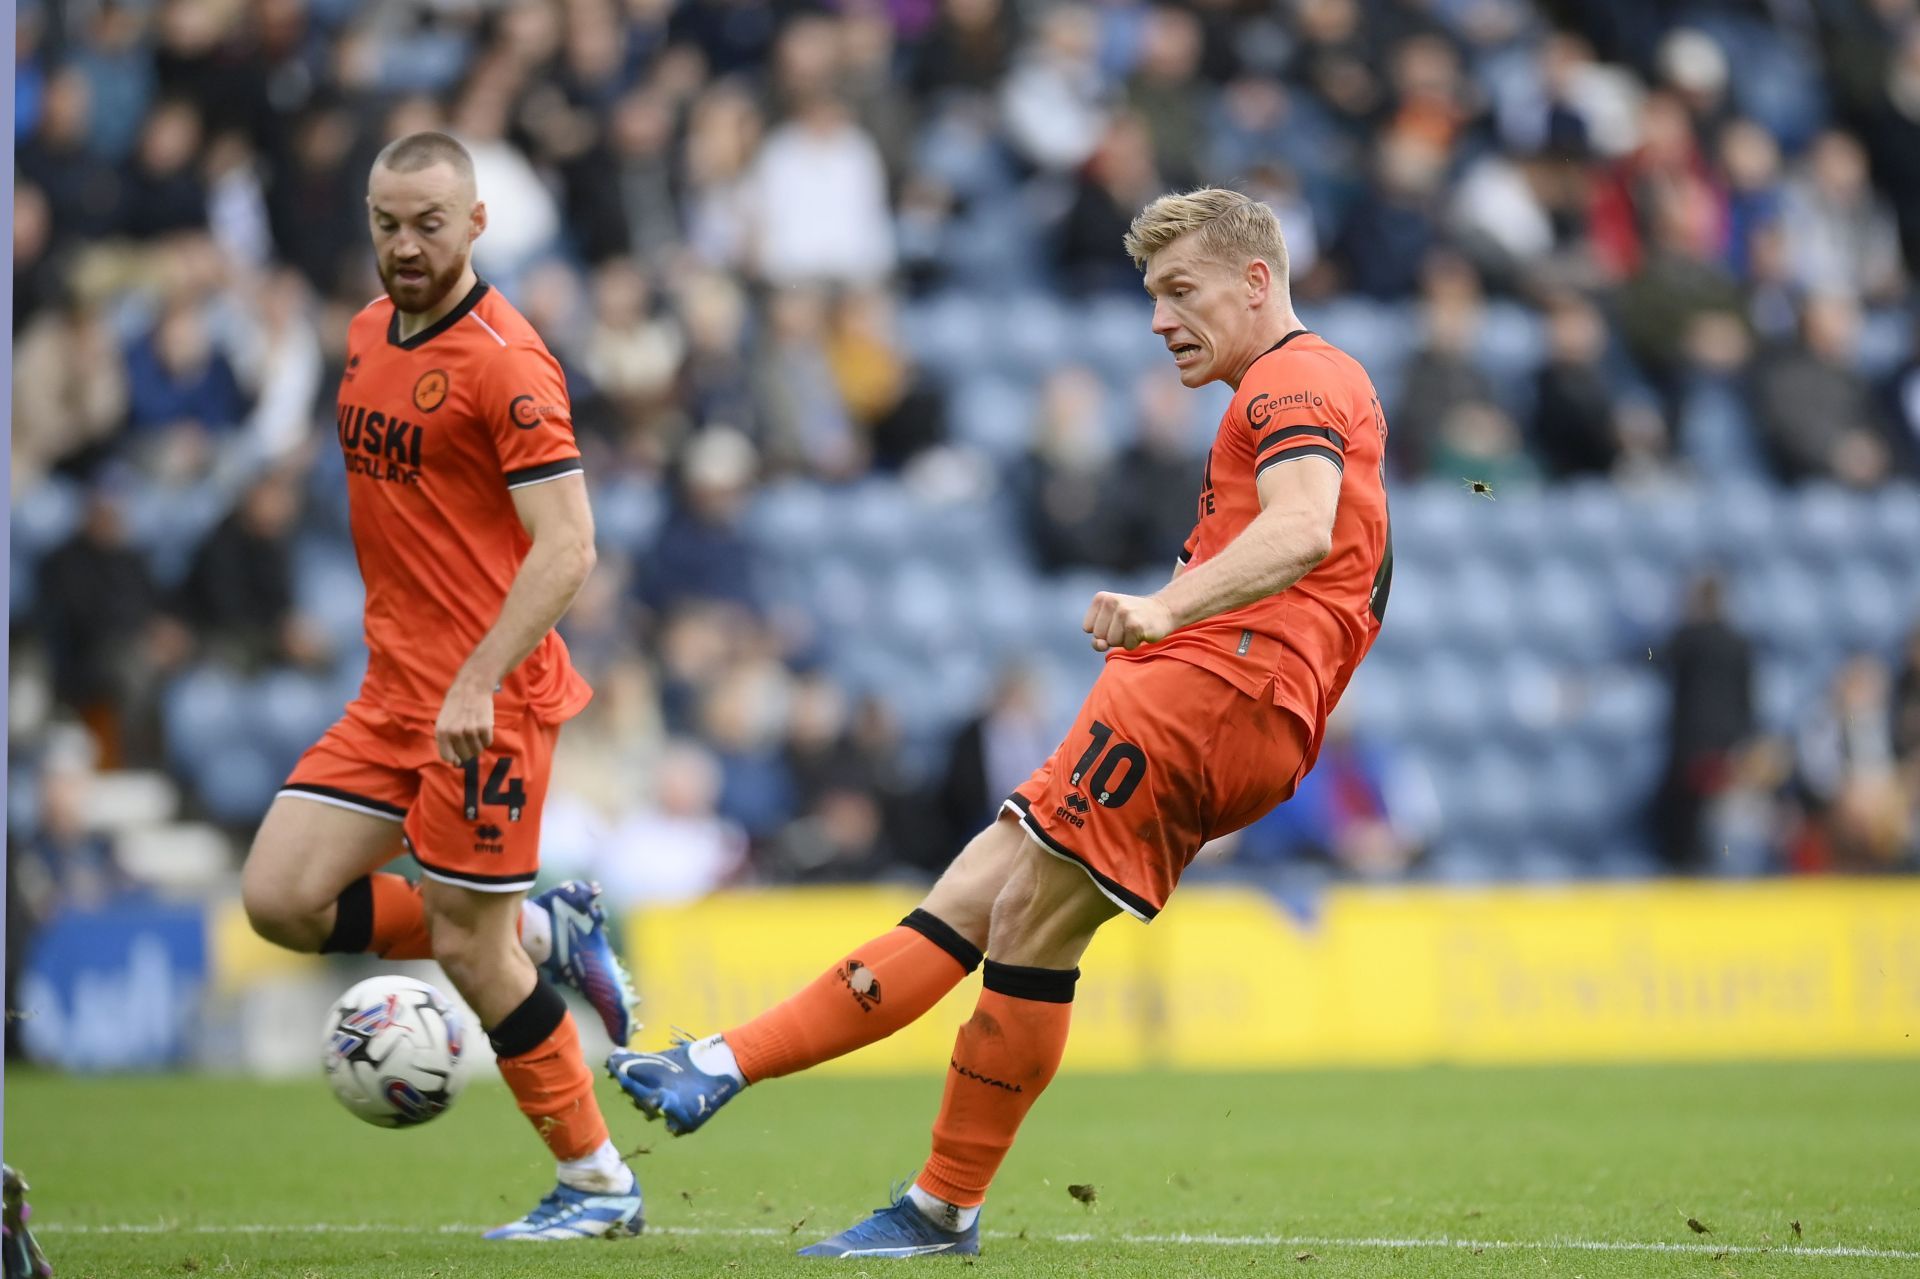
point(430, 392)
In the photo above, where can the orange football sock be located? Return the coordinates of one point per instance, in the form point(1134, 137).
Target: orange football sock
point(538, 1050)
point(878, 988)
point(1003, 1058)
point(399, 924)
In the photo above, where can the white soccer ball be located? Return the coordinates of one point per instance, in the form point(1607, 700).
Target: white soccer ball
point(392, 1051)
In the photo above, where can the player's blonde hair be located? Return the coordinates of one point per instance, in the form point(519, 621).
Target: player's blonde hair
point(1232, 227)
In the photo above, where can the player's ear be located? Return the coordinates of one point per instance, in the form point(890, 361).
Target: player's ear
point(478, 219)
point(1259, 282)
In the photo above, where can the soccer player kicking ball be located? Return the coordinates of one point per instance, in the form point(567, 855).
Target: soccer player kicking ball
point(470, 520)
point(1207, 714)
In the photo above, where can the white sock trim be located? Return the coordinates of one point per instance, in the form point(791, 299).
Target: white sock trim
point(601, 1171)
point(713, 1056)
point(536, 932)
point(951, 1218)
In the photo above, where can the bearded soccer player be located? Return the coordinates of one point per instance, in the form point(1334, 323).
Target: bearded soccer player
point(1209, 711)
point(471, 523)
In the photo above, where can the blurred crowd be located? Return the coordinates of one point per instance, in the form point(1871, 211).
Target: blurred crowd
point(729, 218)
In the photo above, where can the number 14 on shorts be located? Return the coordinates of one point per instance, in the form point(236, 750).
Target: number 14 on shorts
point(502, 789)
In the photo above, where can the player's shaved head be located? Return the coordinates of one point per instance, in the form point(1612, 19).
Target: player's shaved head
point(424, 214)
point(421, 151)
point(1230, 227)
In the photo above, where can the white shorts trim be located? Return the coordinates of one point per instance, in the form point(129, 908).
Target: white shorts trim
point(518, 886)
point(337, 802)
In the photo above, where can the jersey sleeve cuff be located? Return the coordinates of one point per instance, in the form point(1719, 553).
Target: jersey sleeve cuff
point(541, 474)
point(1287, 434)
point(1311, 450)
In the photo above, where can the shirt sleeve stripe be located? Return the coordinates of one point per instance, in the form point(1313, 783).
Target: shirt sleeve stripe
point(545, 471)
point(1311, 450)
point(1286, 433)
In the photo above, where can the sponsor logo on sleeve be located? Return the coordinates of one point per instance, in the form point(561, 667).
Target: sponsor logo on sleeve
point(1262, 407)
point(527, 414)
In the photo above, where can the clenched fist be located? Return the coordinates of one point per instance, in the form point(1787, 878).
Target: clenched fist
point(1126, 621)
point(465, 726)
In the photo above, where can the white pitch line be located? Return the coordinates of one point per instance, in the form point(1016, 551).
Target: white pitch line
point(1191, 1240)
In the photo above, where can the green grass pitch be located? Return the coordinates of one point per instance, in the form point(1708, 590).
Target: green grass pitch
point(1559, 1172)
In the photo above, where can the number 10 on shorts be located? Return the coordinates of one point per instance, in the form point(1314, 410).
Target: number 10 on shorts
point(1105, 789)
point(503, 790)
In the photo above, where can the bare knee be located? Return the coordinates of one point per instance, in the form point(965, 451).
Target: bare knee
point(303, 857)
point(284, 909)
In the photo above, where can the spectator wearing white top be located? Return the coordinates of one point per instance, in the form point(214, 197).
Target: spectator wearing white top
point(822, 200)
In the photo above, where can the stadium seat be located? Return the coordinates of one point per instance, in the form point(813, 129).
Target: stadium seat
point(628, 511)
point(995, 414)
point(201, 709)
point(328, 590)
point(287, 711)
point(235, 783)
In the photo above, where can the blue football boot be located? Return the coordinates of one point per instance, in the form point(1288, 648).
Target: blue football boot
point(669, 1087)
point(578, 1214)
point(584, 958)
point(898, 1232)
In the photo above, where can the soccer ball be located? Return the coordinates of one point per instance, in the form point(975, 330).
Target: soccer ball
point(392, 1051)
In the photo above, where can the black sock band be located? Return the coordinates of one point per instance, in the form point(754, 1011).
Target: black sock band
point(1043, 985)
point(527, 1027)
point(352, 920)
point(942, 934)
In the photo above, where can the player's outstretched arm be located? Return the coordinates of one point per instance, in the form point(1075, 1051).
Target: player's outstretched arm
point(1292, 533)
point(558, 518)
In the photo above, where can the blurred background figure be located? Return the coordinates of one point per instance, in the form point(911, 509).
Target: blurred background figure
point(1711, 726)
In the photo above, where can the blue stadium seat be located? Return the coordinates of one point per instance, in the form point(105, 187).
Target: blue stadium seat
point(328, 589)
point(1717, 434)
point(947, 333)
point(1645, 592)
point(1465, 862)
point(1481, 608)
point(1740, 518)
point(201, 709)
point(1509, 348)
point(995, 414)
point(1625, 703)
point(235, 782)
point(170, 523)
point(1569, 611)
point(1377, 701)
point(791, 519)
point(288, 710)
point(1896, 521)
point(1777, 79)
point(1781, 604)
point(44, 516)
point(628, 511)
point(1033, 335)
point(1824, 524)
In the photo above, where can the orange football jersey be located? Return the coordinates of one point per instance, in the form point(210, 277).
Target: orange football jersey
point(437, 431)
point(1300, 401)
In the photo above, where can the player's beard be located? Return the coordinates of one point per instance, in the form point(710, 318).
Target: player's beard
point(417, 296)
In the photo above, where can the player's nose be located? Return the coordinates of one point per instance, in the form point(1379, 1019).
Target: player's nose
point(1163, 321)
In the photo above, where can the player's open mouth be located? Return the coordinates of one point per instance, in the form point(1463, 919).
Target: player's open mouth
point(1184, 353)
point(410, 275)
